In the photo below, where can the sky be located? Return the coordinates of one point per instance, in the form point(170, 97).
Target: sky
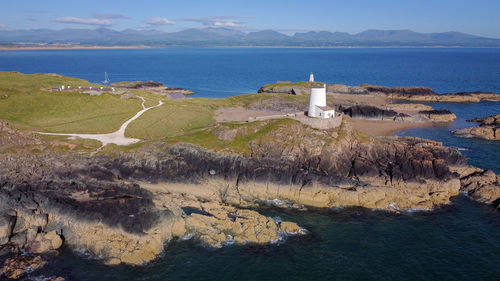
point(478, 17)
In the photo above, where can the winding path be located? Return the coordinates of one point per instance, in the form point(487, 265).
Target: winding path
point(117, 137)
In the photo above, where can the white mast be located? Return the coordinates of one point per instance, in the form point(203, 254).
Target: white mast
point(106, 79)
point(311, 77)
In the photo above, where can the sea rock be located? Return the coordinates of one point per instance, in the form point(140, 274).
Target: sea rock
point(486, 130)
point(483, 186)
point(442, 115)
point(17, 266)
point(138, 84)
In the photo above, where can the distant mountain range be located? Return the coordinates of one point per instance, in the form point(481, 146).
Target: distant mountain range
point(230, 37)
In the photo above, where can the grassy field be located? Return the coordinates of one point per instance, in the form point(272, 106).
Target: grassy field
point(175, 117)
point(208, 139)
point(179, 117)
point(28, 104)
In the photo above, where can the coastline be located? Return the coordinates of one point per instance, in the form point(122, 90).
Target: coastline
point(118, 47)
point(62, 47)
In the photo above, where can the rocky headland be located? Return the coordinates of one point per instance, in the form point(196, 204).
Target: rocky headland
point(422, 94)
point(488, 128)
point(210, 180)
point(124, 207)
point(151, 86)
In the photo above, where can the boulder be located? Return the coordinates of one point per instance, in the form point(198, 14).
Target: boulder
point(45, 242)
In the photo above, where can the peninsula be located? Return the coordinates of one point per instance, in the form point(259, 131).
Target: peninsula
point(203, 167)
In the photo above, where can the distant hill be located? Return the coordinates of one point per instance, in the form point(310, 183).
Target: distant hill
point(230, 37)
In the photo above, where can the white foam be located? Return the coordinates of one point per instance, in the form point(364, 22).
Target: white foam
point(187, 237)
point(229, 241)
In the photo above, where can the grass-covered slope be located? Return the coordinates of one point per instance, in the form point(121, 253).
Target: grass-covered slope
point(27, 103)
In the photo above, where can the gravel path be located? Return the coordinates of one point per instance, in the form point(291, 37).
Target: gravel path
point(117, 137)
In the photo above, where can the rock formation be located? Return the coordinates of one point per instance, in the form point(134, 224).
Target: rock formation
point(486, 130)
point(398, 93)
point(442, 115)
point(369, 112)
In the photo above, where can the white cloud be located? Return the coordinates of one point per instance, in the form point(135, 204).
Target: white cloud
point(219, 21)
point(109, 16)
point(2, 25)
point(89, 21)
point(226, 24)
point(159, 21)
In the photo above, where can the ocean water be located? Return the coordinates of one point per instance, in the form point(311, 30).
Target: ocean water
point(221, 72)
point(456, 242)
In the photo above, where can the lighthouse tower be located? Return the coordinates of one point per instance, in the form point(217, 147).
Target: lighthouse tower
point(317, 103)
point(311, 77)
point(317, 98)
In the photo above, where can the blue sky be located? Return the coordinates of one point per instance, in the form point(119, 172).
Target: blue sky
point(479, 17)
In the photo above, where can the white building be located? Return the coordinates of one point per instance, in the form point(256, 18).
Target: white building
point(317, 103)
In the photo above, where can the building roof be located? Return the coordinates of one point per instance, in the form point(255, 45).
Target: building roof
point(318, 86)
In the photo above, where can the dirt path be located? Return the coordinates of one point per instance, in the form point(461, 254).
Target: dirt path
point(117, 137)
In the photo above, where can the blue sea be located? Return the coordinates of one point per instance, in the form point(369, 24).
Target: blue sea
point(456, 242)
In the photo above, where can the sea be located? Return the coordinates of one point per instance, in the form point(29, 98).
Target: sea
point(460, 241)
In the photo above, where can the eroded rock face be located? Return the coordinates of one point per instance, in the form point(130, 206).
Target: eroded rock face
point(488, 129)
point(369, 112)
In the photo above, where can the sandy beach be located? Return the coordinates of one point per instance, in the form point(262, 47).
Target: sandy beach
point(377, 128)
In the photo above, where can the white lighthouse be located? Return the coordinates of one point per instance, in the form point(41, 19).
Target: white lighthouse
point(317, 103)
point(311, 77)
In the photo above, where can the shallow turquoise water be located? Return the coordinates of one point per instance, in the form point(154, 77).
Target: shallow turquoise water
point(456, 242)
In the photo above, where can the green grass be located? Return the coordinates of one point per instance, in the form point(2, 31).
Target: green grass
point(207, 139)
point(27, 103)
point(175, 117)
point(255, 99)
point(31, 106)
